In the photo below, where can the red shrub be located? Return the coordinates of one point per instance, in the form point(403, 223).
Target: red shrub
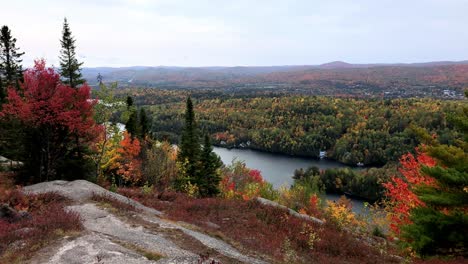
point(263, 228)
point(46, 220)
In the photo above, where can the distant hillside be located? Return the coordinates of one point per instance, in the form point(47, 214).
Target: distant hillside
point(431, 77)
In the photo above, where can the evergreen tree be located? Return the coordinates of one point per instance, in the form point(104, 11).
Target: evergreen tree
point(189, 149)
point(129, 102)
point(440, 227)
point(11, 71)
point(132, 124)
point(69, 66)
point(209, 177)
point(144, 123)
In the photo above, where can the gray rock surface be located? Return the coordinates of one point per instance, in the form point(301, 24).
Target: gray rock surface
point(110, 238)
point(100, 221)
point(94, 248)
point(81, 190)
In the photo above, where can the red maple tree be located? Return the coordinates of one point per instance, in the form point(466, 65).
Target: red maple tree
point(55, 115)
point(400, 190)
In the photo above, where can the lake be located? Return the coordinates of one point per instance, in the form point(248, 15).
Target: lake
point(279, 169)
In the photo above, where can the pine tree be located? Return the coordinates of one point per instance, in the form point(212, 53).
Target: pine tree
point(209, 176)
point(69, 66)
point(441, 225)
point(189, 149)
point(11, 71)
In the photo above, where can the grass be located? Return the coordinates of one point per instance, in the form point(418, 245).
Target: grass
point(269, 231)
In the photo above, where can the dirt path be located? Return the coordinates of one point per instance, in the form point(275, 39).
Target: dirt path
point(129, 237)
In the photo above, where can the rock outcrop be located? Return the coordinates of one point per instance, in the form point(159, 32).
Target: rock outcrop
point(133, 237)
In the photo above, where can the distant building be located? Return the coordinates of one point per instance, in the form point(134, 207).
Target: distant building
point(322, 154)
point(450, 93)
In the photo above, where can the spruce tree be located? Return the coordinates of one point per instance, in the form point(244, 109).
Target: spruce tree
point(11, 71)
point(189, 149)
point(70, 68)
point(209, 176)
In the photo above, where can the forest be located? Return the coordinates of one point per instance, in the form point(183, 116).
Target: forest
point(56, 127)
point(371, 131)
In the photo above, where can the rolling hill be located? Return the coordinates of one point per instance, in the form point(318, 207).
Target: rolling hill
point(416, 79)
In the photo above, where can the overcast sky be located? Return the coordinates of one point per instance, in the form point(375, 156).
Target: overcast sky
point(241, 32)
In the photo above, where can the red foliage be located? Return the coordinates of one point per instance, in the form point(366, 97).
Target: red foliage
point(47, 215)
point(400, 190)
point(44, 101)
point(314, 205)
point(240, 181)
point(256, 176)
point(58, 118)
point(253, 225)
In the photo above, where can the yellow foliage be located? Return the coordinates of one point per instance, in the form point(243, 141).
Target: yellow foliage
point(342, 215)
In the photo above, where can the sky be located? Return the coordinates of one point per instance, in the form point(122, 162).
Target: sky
point(241, 32)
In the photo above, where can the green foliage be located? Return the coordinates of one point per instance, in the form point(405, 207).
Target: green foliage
point(365, 183)
point(70, 68)
point(189, 148)
point(147, 188)
point(108, 104)
point(159, 165)
point(433, 232)
point(210, 174)
point(198, 166)
point(268, 192)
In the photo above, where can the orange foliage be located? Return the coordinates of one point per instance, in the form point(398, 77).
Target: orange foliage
point(128, 164)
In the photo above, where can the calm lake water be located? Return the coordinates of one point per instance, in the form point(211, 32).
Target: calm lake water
point(279, 169)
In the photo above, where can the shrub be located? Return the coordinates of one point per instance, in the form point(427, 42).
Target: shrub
point(47, 221)
point(271, 231)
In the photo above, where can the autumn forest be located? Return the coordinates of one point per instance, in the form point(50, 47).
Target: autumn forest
point(400, 131)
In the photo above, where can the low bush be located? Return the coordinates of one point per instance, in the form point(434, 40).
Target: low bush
point(270, 231)
point(46, 220)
